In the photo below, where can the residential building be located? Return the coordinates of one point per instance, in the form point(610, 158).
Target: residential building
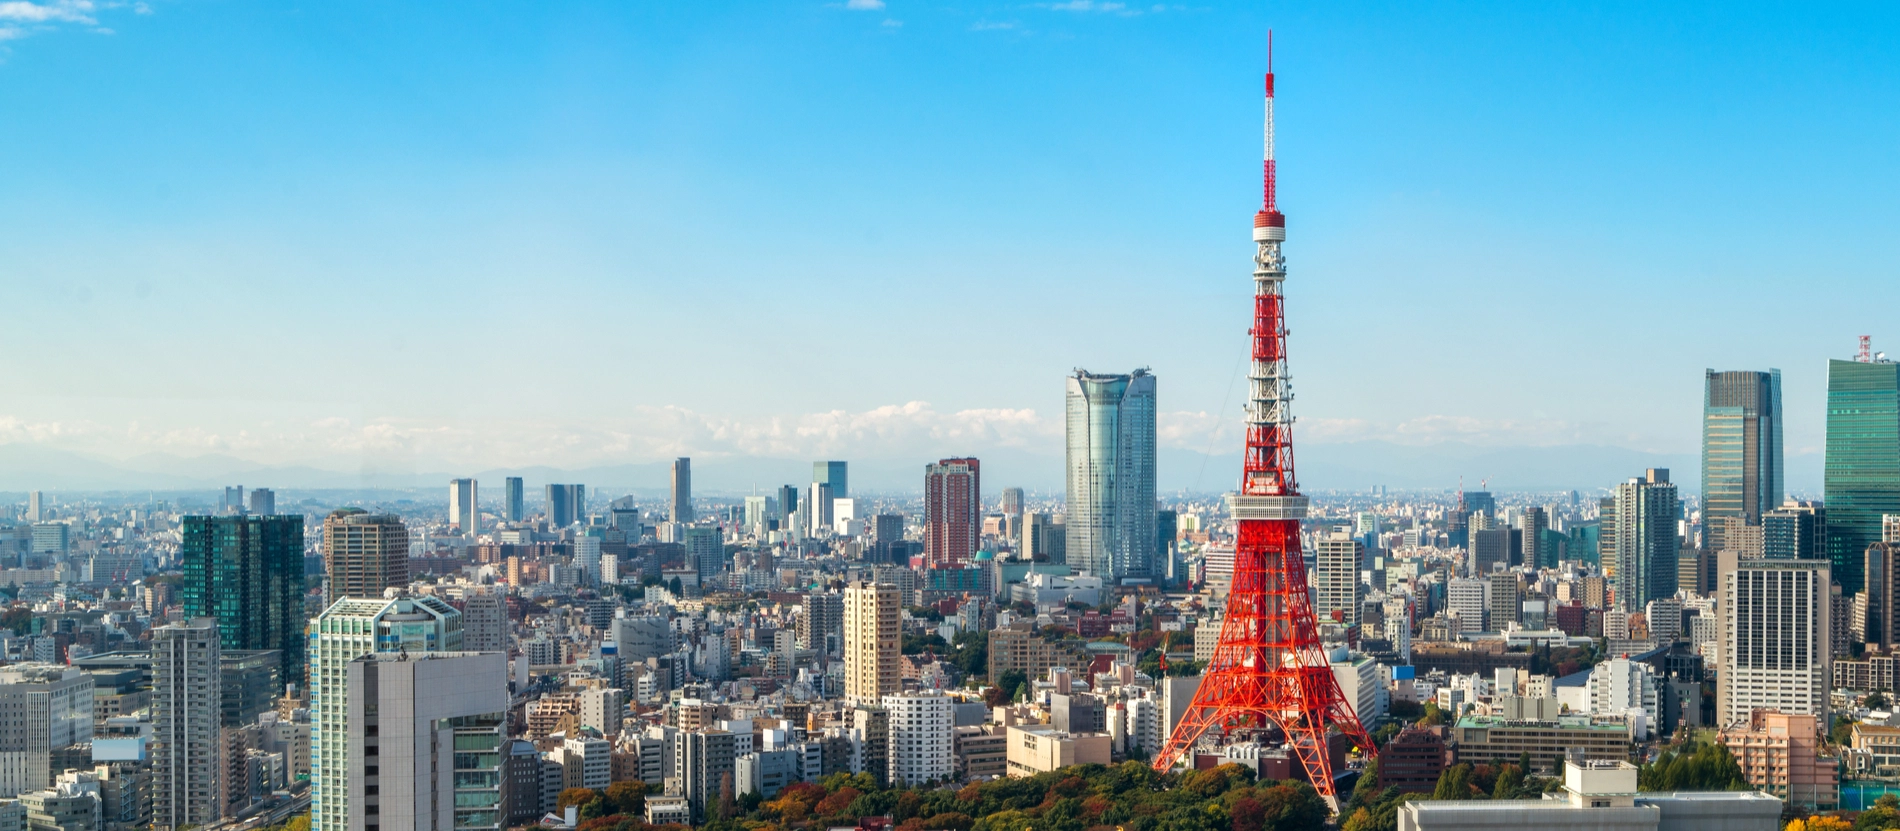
point(1504, 606)
point(821, 625)
point(1413, 760)
point(921, 747)
point(1336, 587)
point(1020, 647)
point(187, 704)
point(705, 761)
point(247, 572)
point(1619, 686)
point(1470, 600)
point(602, 709)
point(1041, 748)
point(1775, 634)
point(363, 554)
point(1783, 754)
point(953, 512)
point(1741, 450)
point(1861, 471)
point(424, 740)
point(485, 626)
point(871, 636)
point(1111, 476)
point(1795, 531)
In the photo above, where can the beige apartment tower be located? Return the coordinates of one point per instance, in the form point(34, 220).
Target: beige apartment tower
point(871, 621)
point(364, 553)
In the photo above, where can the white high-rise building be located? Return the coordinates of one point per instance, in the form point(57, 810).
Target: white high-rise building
point(35, 507)
point(424, 732)
point(1336, 579)
point(1775, 650)
point(45, 706)
point(463, 511)
point(601, 709)
point(349, 629)
point(872, 618)
point(485, 623)
point(921, 745)
point(187, 706)
point(1470, 597)
point(1620, 685)
point(1111, 477)
point(587, 557)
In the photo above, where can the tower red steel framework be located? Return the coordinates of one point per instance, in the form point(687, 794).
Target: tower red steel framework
point(1268, 675)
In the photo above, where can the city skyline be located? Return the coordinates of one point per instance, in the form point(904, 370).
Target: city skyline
point(1539, 151)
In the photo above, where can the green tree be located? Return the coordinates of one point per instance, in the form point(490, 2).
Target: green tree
point(1510, 782)
point(1695, 766)
point(1454, 783)
point(1876, 700)
point(575, 796)
point(627, 797)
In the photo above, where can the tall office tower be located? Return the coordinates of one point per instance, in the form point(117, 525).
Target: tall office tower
point(787, 506)
point(755, 510)
point(1480, 502)
point(704, 761)
point(1795, 531)
point(1646, 544)
point(587, 557)
point(247, 571)
point(1111, 475)
point(682, 504)
point(1861, 480)
point(1336, 579)
point(921, 737)
point(36, 507)
point(1874, 607)
point(48, 708)
point(705, 550)
point(348, 630)
point(485, 623)
point(1012, 502)
point(833, 474)
point(1741, 450)
point(465, 512)
point(871, 613)
point(1167, 528)
point(567, 504)
point(364, 553)
point(1775, 633)
point(425, 732)
point(263, 501)
point(1045, 538)
point(953, 511)
point(1533, 551)
point(821, 627)
point(233, 500)
point(818, 504)
point(513, 508)
point(887, 535)
point(187, 698)
point(1490, 548)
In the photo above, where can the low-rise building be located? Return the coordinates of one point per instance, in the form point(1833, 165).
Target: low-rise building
point(1780, 753)
point(1040, 748)
point(664, 810)
point(1413, 760)
point(1878, 746)
point(982, 752)
point(1486, 739)
point(1596, 796)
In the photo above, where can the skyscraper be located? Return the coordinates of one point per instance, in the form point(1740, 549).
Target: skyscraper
point(1741, 449)
point(953, 511)
point(682, 505)
point(247, 572)
point(787, 506)
point(1533, 551)
point(363, 553)
point(1861, 480)
point(234, 499)
point(833, 474)
point(1874, 620)
point(464, 511)
point(1775, 633)
point(512, 507)
point(1795, 531)
point(36, 507)
point(1336, 579)
point(705, 550)
point(871, 619)
point(187, 777)
point(818, 502)
point(425, 731)
point(350, 629)
point(1012, 502)
point(1111, 475)
point(48, 707)
point(485, 623)
point(263, 501)
point(1646, 545)
point(567, 504)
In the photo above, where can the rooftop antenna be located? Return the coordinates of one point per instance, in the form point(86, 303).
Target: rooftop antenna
point(1866, 349)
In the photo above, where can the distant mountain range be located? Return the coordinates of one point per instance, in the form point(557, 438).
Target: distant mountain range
point(1347, 466)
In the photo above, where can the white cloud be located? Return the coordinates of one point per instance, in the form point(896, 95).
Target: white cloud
point(864, 5)
point(1088, 6)
point(66, 11)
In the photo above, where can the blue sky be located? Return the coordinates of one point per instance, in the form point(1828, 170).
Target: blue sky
point(478, 235)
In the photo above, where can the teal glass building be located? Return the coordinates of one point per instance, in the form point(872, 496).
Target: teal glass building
point(1111, 477)
point(1741, 449)
point(1861, 480)
point(247, 571)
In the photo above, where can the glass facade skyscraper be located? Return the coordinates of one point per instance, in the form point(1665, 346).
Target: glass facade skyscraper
point(247, 571)
point(1111, 476)
point(1862, 476)
point(1646, 545)
point(1741, 449)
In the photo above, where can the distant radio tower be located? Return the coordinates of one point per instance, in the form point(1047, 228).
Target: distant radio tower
point(1269, 679)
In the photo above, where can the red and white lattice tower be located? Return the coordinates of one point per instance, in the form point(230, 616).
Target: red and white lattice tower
point(1269, 677)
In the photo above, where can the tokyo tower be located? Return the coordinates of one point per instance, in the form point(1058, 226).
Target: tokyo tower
point(1268, 675)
